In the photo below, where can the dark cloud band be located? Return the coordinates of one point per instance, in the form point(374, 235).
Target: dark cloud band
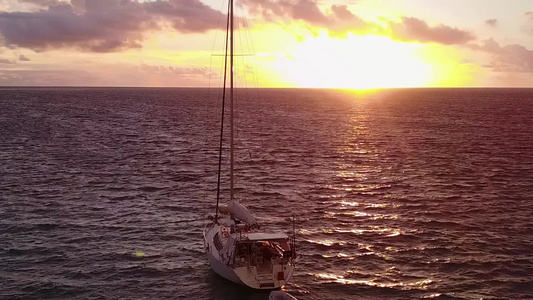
point(102, 25)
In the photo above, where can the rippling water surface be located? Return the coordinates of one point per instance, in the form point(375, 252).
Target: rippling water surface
point(398, 194)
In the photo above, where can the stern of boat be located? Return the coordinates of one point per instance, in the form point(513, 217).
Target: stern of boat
point(278, 276)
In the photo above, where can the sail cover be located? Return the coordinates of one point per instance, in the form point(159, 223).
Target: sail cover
point(240, 212)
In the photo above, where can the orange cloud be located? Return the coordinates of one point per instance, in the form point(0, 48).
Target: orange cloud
point(114, 25)
point(492, 22)
point(528, 28)
point(413, 29)
point(6, 61)
point(340, 21)
point(115, 75)
point(509, 58)
point(42, 3)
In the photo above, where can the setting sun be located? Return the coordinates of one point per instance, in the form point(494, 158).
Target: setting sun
point(357, 62)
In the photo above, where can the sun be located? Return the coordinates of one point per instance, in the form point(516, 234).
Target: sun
point(357, 62)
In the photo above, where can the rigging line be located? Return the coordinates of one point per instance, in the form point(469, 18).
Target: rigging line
point(255, 74)
point(213, 47)
point(242, 59)
point(242, 83)
point(244, 49)
point(237, 84)
point(213, 50)
point(231, 99)
point(222, 121)
point(248, 27)
point(209, 89)
point(222, 62)
point(251, 41)
point(250, 48)
point(254, 70)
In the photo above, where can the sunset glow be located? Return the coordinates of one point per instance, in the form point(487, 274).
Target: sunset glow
point(296, 43)
point(355, 62)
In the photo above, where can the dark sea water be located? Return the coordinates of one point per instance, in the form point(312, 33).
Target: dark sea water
point(398, 194)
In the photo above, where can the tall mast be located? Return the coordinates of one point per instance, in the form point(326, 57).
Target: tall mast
point(231, 100)
point(223, 110)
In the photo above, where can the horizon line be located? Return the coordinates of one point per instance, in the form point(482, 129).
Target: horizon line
point(242, 88)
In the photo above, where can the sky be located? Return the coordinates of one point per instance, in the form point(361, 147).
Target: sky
point(357, 44)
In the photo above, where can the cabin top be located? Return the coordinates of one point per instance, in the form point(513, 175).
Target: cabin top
point(265, 236)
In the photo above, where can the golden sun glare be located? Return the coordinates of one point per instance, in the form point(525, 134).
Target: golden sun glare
point(357, 62)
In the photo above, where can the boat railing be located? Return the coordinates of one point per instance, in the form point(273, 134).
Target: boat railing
point(250, 270)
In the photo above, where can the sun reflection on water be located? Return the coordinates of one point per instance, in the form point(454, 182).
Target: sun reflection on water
point(358, 224)
point(371, 229)
point(433, 295)
point(334, 278)
point(355, 203)
point(327, 242)
point(386, 231)
point(355, 213)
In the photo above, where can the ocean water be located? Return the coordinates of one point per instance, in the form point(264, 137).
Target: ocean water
point(398, 194)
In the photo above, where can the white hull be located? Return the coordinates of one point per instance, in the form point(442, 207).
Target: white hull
point(222, 269)
point(228, 263)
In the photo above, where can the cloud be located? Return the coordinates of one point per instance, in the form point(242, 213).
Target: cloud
point(344, 21)
point(492, 22)
point(6, 61)
point(413, 29)
point(46, 78)
point(115, 75)
point(338, 20)
point(187, 16)
point(117, 25)
point(304, 10)
point(101, 25)
point(528, 28)
point(23, 58)
point(60, 26)
point(174, 71)
point(509, 58)
point(42, 3)
point(342, 12)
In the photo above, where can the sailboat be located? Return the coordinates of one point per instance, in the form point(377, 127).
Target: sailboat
point(237, 248)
